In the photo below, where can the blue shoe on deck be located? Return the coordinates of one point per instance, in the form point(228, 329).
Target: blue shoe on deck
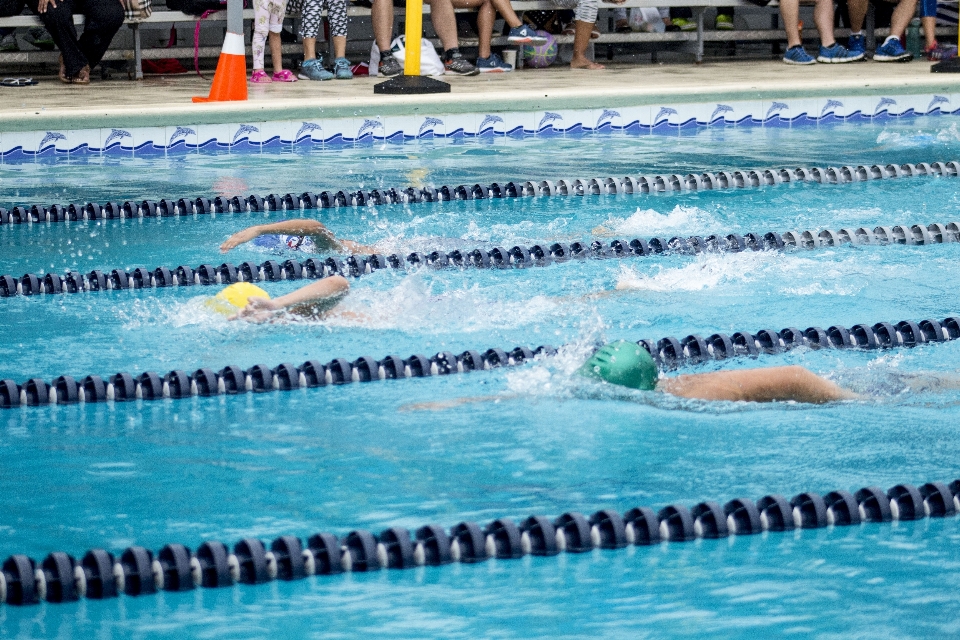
point(493, 64)
point(857, 43)
point(892, 51)
point(797, 55)
point(525, 35)
point(837, 54)
point(341, 68)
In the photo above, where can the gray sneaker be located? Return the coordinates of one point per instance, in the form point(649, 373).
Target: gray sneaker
point(313, 70)
point(341, 67)
point(389, 66)
point(9, 43)
point(458, 65)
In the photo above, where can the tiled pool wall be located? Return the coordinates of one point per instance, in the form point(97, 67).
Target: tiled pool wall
point(665, 119)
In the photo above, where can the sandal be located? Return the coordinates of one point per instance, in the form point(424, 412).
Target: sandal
point(82, 77)
point(260, 76)
point(569, 30)
point(17, 82)
point(284, 76)
point(595, 33)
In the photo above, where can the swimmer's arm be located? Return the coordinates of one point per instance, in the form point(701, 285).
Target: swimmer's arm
point(322, 237)
point(312, 300)
point(770, 384)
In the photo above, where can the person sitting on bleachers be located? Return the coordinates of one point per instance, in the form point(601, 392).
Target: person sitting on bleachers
point(831, 51)
point(892, 48)
point(78, 55)
point(520, 34)
point(444, 23)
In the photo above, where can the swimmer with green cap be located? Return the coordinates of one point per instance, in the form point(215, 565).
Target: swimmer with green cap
point(627, 364)
point(246, 301)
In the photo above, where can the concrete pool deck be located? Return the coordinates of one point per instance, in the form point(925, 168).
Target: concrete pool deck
point(165, 101)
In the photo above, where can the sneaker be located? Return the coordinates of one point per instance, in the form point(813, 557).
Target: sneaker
point(341, 67)
point(9, 43)
point(683, 24)
point(460, 66)
point(284, 76)
point(493, 64)
point(259, 76)
point(389, 66)
point(525, 35)
point(40, 38)
point(939, 52)
point(723, 22)
point(797, 55)
point(837, 54)
point(892, 51)
point(313, 70)
point(856, 43)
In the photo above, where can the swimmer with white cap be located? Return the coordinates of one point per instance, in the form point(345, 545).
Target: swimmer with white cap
point(246, 301)
point(300, 231)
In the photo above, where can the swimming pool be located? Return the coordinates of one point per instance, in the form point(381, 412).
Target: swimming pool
point(337, 459)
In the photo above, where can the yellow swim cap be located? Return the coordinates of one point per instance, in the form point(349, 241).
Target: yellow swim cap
point(235, 297)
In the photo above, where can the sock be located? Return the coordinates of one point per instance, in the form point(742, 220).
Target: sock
point(450, 54)
point(858, 33)
point(386, 54)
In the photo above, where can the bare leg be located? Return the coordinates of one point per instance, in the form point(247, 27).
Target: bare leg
point(581, 40)
point(901, 17)
point(757, 385)
point(382, 15)
point(790, 12)
point(276, 53)
point(340, 46)
point(309, 48)
point(444, 22)
point(929, 31)
point(823, 16)
point(858, 12)
point(485, 19)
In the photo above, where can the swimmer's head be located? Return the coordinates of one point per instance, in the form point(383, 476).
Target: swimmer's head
point(235, 297)
point(624, 363)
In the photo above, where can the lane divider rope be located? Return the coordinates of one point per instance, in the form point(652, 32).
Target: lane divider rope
point(138, 571)
point(669, 352)
point(538, 255)
point(705, 181)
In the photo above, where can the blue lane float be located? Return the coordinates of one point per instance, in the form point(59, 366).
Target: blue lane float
point(645, 184)
point(668, 352)
point(517, 257)
point(136, 571)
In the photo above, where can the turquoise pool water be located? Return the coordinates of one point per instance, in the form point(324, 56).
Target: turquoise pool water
point(337, 459)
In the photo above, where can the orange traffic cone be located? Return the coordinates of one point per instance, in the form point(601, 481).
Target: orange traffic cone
point(230, 80)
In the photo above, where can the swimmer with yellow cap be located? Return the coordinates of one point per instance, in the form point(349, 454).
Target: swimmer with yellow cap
point(321, 238)
point(243, 300)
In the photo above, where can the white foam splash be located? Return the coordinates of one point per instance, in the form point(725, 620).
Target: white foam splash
point(646, 222)
point(919, 138)
point(790, 274)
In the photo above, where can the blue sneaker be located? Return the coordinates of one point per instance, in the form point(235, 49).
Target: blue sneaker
point(892, 51)
point(493, 64)
point(856, 43)
point(837, 54)
point(525, 35)
point(797, 55)
point(341, 67)
point(313, 70)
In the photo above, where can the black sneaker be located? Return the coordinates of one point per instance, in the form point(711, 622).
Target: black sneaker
point(389, 66)
point(458, 65)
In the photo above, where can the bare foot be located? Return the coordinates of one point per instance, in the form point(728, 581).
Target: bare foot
point(584, 63)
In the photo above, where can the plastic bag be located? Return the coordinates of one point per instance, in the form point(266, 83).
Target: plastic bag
point(430, 63)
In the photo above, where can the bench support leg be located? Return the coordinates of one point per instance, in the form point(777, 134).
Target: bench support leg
point(699, 11)
point(137, 54)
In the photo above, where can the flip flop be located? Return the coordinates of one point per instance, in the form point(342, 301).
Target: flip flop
point(18, 82)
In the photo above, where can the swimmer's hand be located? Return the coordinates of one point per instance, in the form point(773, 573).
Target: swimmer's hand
point(240, 237)
point(258, 310)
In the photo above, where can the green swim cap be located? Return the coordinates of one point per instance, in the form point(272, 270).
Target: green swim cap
point(624, 363)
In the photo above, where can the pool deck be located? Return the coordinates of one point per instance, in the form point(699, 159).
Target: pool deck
point(165, 101)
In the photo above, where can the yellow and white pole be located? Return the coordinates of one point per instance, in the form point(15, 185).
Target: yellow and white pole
point(414, 33)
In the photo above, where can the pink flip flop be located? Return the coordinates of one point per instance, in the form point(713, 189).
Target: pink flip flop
point(260, 77)
point(284, 76)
